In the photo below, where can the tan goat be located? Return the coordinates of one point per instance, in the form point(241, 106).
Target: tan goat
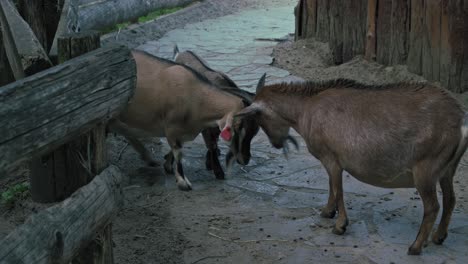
point(174, 101)
point(248, 127)
point(402, 135)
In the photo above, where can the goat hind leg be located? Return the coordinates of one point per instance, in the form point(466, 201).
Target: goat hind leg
point(446, 184)
point(427, 189)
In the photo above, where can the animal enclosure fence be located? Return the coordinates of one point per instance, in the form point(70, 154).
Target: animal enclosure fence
point(429, 36)
point(65, 107)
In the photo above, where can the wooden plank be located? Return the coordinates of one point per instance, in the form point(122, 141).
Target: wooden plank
point(9, 41)
point(311, 25)
point(416, 34)
point(384, 31)
point(431, 41)
point(43, 111)
point(23, 49)
point(371, 26)
point(6, 75)
point(336, 30)
point(298, 10)
point(61, 29)
point(458, 45)
point(399, 32)
point(323, 21)
point(56, 234)
point(354, 28)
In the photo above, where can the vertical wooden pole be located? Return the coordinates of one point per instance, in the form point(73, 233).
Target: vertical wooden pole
point(370, 37)
point(91, 146)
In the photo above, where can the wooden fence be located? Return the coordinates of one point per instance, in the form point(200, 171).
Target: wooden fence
point(429, 36)
point(62, 110)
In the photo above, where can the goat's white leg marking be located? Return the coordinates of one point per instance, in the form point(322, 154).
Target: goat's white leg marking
point(183, 182)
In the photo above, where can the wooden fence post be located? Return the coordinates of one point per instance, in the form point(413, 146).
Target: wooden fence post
point(57, 175)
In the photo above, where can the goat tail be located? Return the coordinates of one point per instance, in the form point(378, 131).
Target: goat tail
point(176, 52)
point(463, 145)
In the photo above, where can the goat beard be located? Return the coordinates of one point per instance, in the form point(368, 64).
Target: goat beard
point(286, 145)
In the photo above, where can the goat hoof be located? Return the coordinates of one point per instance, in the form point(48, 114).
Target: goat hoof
point(438, 239)
point(184, 186)
point(339, 231)
point(327, 214)
point(414, 251)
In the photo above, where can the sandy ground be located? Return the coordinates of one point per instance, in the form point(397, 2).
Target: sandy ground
point(221, 223)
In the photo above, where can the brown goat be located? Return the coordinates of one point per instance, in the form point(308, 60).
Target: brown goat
point(248, 128)
point(400, 135)
point(174, 101)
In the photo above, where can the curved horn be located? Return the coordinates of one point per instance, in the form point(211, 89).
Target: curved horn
point(176, 52)
point(261, 83)
point(248, 111)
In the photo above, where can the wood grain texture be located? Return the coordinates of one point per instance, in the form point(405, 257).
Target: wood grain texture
point(336, 30)
point(399, 32)
point(371, 27)
point(323, 21)
point(56, 234)
point(354, 28)
point(416, 34)
point(25, 53)
point(43, 111)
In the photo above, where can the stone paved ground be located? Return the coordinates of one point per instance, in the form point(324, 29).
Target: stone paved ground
point(268, 211)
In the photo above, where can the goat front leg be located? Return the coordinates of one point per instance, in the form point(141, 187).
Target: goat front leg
point(210, 136)
point(183, 182)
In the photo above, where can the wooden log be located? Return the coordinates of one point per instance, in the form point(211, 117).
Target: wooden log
point(416, 34)
point(24, 51)
point(56, 234)
point(431, 41)
point(298, 10)
point(384, 31)
point(101, 14)
point(62, 29)
point(323, 21)
point(336, 30)
point(399, 32)
point(58, 174)
point(311, 23)
point(6, 75)
point(46, 110)
point(354, 28)
point(454, 45)
point(371, 26)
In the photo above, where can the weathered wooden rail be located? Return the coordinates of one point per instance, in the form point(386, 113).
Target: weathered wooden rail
point(430, 36)
point(57, 233)
point(44, 111)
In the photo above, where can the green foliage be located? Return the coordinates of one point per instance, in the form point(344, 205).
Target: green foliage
point(151, 16)
point(14, 193)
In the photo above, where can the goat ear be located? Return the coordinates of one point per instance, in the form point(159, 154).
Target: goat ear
point(261, 83)
point(176, 52)
point(248, 111)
